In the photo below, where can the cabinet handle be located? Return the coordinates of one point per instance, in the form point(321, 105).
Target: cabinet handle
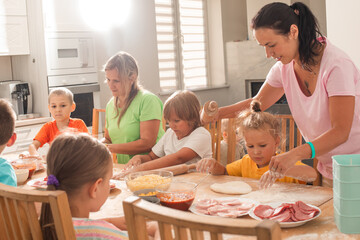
point(23, 131)
point(23, 146)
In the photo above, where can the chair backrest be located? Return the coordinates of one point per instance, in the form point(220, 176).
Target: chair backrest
point(95, 127)
point(95, 122)
point(186, 225)
point(291, 138)
point(216, 136)
point(19, 219)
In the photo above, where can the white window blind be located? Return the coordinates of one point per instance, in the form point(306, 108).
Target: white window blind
point(182, 44)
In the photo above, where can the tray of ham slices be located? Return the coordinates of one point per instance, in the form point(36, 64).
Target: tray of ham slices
point(230, 207)
point(288, 215)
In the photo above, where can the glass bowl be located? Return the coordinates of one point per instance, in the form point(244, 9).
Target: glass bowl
point(26, 163)
point(21, 175)
point(147, 179)
point(179, 195)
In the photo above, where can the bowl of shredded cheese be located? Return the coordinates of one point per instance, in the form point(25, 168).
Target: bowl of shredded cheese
point(148, 179)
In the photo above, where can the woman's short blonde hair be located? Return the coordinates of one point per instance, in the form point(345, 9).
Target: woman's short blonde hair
point(185, 105)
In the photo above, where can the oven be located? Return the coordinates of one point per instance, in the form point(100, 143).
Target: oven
point(86, 90)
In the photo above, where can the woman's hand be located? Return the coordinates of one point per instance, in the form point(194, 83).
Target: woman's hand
point(279, 164)
point(134, 161)
point(268, 179)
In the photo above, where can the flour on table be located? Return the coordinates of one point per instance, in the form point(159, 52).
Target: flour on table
point(233, 187)
point(288, 193)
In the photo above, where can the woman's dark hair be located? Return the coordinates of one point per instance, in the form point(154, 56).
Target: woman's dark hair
point(75, 160)
point(280, 16)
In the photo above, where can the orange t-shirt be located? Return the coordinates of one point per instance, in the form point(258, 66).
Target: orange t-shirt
point(49, 131)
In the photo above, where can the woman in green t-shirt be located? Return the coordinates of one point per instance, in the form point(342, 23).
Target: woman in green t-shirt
point(133, 115)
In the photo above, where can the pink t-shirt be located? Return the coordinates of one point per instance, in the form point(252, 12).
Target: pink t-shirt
point(338, 76)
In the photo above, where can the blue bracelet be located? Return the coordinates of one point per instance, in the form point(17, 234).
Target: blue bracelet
point(312, 149)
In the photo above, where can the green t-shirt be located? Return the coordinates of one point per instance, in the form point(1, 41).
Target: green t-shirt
point(144, 107)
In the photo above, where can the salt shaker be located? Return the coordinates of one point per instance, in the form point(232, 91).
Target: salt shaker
point(209, 110)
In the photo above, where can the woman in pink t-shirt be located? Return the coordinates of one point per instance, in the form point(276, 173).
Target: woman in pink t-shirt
point(321, 84)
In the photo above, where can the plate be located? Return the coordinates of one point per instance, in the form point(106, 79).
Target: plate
point(285, 224)
point(41, 183)
point(246, 200)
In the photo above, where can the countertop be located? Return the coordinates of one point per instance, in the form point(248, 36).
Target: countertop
point(32, 121)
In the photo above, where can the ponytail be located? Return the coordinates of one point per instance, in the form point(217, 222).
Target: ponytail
point(308, 33)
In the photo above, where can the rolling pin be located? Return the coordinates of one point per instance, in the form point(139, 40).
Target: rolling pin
point(179, 169)
point(209, 110)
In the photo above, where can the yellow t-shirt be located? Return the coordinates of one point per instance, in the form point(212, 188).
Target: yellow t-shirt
point(246, 167)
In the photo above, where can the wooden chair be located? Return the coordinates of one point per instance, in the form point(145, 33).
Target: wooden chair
point(19, 219)
point(291, 138)
point(95, 127)
point(185, 225)
point(95, 122)
point(216, 136)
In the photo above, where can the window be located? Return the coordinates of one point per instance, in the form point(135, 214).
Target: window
point(182, 44)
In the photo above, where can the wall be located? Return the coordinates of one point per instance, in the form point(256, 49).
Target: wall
point(5, 69)
point(138, 37)
point(343, 26)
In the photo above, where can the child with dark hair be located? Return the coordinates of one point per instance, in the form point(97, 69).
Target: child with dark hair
point(261, 132)
point(7, 139)
point(82, 167)
point(184, 142)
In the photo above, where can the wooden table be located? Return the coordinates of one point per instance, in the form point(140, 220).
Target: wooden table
point(323, 227)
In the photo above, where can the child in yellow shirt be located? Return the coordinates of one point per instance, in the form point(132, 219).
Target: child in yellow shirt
point(261, 133)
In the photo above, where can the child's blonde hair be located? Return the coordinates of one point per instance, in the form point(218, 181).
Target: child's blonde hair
point(75, 160)
point(186, 106)
point(7, 121)
point(224, 124)
point(255, 119)
point(127, 68)
point(62, 91)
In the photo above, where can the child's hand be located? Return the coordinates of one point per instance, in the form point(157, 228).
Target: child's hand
point(206, 165)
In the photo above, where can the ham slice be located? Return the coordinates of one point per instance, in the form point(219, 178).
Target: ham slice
point(287, 212)
point(224, 208)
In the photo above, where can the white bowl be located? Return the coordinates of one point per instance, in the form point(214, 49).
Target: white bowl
point(21, 175)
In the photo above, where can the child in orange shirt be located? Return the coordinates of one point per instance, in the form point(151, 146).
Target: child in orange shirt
point(61, 105)
point(261, 133)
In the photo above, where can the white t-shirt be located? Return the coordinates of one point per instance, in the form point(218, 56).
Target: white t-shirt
point(338, 76)
point(198, 140)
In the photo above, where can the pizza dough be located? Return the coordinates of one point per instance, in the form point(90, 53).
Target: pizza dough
point(234, 187)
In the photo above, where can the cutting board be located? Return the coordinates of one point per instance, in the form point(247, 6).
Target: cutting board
point(279, 192)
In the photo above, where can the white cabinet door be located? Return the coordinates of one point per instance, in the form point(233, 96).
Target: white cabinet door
point(13, 7)
point(24, 137)
point(14, 37)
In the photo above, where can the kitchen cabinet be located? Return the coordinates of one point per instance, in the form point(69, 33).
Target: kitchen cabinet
point(14, 38)
point(25, 131)
point(24, 138)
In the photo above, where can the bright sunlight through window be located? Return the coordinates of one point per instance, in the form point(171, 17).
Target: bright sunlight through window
point(103, 15)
